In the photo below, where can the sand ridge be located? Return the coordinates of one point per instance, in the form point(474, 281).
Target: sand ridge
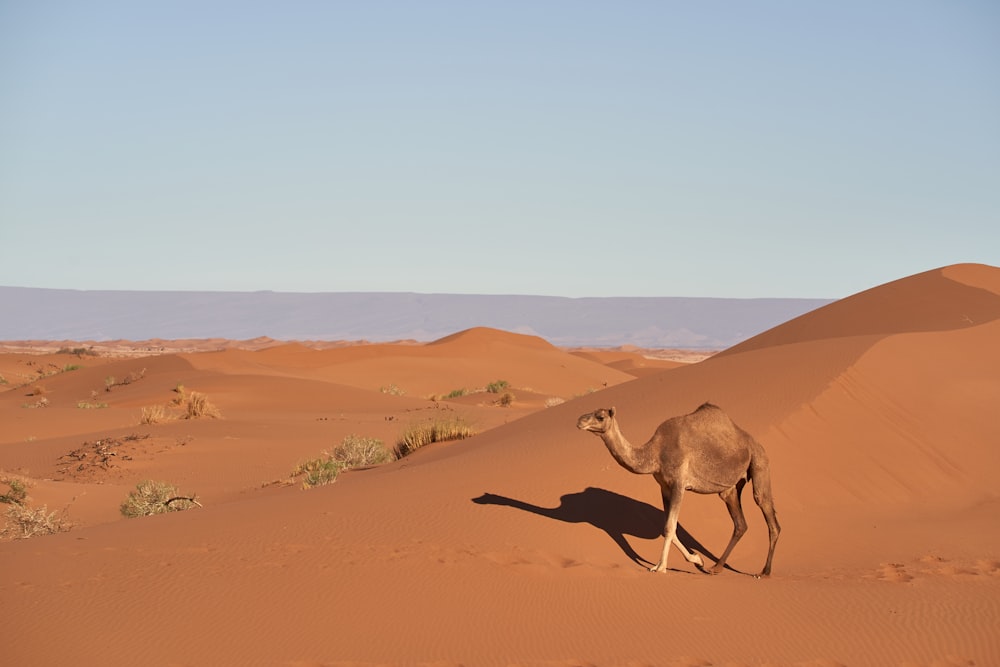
point(527, 544)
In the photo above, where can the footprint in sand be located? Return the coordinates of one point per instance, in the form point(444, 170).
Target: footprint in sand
point(937, 566)
point(894, 572)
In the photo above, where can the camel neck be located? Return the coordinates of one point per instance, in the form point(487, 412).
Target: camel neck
point(632, 458)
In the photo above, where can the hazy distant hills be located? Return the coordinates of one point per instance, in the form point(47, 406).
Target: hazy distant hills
point(679, 322)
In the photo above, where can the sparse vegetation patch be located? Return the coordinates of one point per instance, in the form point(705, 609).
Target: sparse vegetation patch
point(356, 452)
point(506, 399)
point(110, 382)
point(497, 387)
point(17, 493)
point(439, 430)
point(102, 453)
point(153, 414)
point(318, 472)
point(151, 497)
point(78, 351)
point(92, 404)
point(24, 522)
point(198, 406)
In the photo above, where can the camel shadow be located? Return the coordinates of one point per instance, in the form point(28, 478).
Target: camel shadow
point(614, 514)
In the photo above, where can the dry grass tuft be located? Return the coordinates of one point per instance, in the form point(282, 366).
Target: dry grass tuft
point(198, 407)
point(506, 399)
point(439, 430)
point(153, 414)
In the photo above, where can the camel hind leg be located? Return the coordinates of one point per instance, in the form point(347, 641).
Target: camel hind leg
point(761, 476)
point(732, 498)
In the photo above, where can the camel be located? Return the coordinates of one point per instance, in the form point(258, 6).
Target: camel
point(704, 452)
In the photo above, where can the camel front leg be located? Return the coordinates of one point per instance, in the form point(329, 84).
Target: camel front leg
point(672, 497)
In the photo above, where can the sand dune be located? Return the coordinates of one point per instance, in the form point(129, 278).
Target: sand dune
point(527, 544)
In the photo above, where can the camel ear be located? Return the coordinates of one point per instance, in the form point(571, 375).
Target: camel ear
point(611, 411)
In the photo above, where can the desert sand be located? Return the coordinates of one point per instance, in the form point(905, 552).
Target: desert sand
point(525, 544)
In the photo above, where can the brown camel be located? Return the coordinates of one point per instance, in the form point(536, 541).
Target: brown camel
point(704, 452)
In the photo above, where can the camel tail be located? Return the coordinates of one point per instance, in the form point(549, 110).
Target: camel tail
point(760, 475)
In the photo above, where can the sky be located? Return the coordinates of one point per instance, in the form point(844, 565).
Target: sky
point(565, 148)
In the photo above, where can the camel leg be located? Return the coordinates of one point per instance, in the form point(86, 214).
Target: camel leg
point(672, 508)
point(762, 496)
point(731, 496)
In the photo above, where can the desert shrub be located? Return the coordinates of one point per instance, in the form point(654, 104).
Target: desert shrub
point(3, 380)
point(439, 430)
point(78, 351)
point(455, 393)
point(111, 382)
point(134, 376)
point(318, 472)
point(355, 451)
point(506, 399)
point(24, 522)
point(392, 390)
point(93, 403)
point(37, 390)
point(71, 367)
point(497, 387)
point(40, 403)
point(18, 492)
point(151, 497)
point(554, 401)
point(153, 414)
point(198, 406)
point(181, 396)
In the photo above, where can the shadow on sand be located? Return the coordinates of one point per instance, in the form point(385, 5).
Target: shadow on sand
point(610, 512)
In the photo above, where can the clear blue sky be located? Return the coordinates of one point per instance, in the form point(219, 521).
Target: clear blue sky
point(730, 149)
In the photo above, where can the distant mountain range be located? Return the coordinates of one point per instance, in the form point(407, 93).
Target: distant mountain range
point(653, 322)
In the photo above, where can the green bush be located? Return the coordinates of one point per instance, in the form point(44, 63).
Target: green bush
point(18, 490)
point(497, 387)
point(318, 472)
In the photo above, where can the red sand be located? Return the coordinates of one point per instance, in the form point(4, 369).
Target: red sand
point(525, 544)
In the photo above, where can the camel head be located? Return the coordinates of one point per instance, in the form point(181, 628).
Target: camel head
point(597, 422)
